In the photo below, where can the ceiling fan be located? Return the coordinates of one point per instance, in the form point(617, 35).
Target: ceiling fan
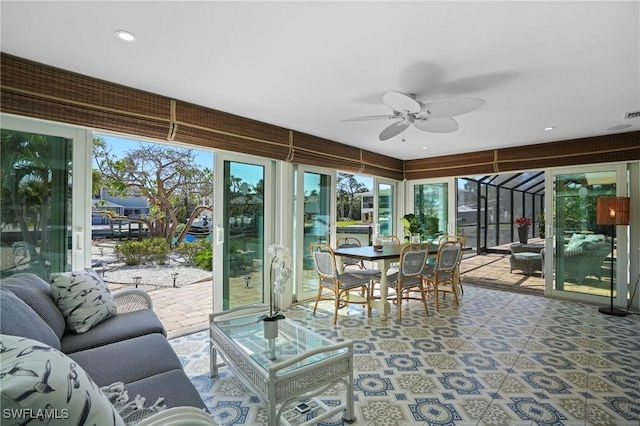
point(432, 117)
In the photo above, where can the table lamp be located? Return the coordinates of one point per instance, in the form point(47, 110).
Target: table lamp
point(612, 211)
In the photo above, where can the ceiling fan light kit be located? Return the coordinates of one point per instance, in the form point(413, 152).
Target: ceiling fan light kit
point(434, 117)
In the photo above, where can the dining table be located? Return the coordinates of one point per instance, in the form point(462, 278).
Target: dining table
point(383, 259)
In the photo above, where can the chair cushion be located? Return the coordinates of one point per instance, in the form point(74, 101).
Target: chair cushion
point(41, 379)
point(527, 255)
point(18, 319)
point(36, 292)
point(83, 298)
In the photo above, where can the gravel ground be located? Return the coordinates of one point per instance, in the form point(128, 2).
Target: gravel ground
point(118, 274)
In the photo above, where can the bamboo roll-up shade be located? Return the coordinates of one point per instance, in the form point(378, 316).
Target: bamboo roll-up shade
point(382, 165)
point(480, 162)
point(215, 122)
point(215, 140)
point(308, 149)
point(597, 149)
point(19, 104)
point(592, 150)
point(317, 151)
point(40, 91)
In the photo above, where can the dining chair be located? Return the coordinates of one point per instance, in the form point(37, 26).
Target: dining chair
point(390, 239)
point(340, 284)
point(442, 274)
point(348, 242)
point(457, 272)
point(408, 278)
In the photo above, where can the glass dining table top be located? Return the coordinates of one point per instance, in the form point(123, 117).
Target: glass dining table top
point(294, 339)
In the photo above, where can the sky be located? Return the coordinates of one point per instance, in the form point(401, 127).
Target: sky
point(120, 146)
point(247, 172)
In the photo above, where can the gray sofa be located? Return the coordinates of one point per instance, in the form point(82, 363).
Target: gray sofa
point(129, 347)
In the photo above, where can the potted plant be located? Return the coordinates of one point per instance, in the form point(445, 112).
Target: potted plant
point(523, 228)
point(410, 225)
point(279, 273)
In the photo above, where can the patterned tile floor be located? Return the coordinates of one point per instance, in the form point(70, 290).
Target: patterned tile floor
point(500, 358)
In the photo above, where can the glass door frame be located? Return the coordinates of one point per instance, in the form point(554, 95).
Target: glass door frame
point(452, 202)
point(621, 236)
point(220, 226)
point(298, 223)
point(81, 179)
point(396, 201)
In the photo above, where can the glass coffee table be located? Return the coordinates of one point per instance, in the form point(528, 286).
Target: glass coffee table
point(297, 365)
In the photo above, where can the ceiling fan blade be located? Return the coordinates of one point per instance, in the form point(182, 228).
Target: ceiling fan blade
point(450, 107)
point(400, 102)
point(437, 125)
point(372, 117)
point(394, 129)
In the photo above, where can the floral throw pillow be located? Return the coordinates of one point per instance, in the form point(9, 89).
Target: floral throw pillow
point(83, 298)
point(41, 383)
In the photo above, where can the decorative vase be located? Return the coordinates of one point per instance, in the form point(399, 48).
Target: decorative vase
point(270, 328)
point(523, 234)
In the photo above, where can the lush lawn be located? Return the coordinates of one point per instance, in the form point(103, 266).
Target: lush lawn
point(348, 222)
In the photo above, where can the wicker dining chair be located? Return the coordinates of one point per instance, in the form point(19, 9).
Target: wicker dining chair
point(408, 278)
point(339, 284)
point(444, 238)
point(442, 274)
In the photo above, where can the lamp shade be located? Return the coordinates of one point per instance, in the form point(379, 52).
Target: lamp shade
point(613, 210)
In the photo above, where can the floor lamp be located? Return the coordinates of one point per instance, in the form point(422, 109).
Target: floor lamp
point(612, 211)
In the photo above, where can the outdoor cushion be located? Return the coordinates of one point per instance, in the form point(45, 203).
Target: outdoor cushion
point(129, 360)
point(117, 328)
point(83, 298)
point(36, 292)
point(42, 379)
point(18, 319)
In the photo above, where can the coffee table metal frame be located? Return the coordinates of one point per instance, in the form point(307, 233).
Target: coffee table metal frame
point(279, 372)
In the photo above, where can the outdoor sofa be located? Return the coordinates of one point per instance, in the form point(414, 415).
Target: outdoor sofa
point(48, 367)
point(583, 256)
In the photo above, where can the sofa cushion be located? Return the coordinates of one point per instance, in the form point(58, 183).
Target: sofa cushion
point(83, 298)
point(129, 360)
point(173, 385)
point(18, 319)
point(117, 328)
point(36, 292)
point(43, 380)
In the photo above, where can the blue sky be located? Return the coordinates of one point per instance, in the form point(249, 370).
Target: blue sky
point(120, 146)
point(248, 173)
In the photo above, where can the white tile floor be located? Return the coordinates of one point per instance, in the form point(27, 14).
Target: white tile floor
point(500, 358)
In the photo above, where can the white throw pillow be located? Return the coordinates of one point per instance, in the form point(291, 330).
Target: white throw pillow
point(41, 383)
point(83, 298)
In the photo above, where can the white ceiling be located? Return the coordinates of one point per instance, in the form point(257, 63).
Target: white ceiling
point(573, 65)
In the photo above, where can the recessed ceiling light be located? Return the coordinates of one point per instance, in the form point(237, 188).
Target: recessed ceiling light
point(126, 36)
point(549, 128)
point(425, 147)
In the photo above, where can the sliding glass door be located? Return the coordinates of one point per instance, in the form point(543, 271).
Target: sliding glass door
point(42, 231)
point(241, 210)
point(430, 202)
point(581, 262)
point(314, 207)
